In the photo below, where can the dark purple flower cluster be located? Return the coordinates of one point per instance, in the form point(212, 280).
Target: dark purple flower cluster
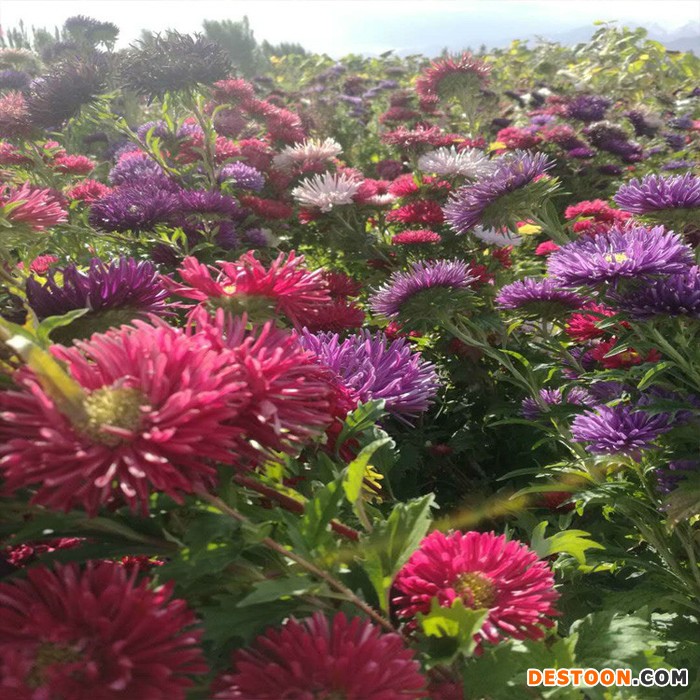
point(576, 396)
point(655, 193)
point(122, 284)
point(242, 176)
point(588, 108)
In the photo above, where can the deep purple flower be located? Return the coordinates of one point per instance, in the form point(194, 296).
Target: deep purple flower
point(678, 165)
point(682, 123)
point(467, 207)
point(542, 296)
point(657, 192)
point(136, 207)
point(622, 252)
point(582, 152)
point(14, 79)
point(227, 235)
point(644, 124)
point(588, 108)
point(160, 130)
point(259, 237)
point(130, 170)
point(675, 141)
point(619, 429)
point(377, 368)
point(242, 176)
point(402, 286)
point(610, 169)
point(123, 284)
point(678, 470)
point(577, 396)
point(674, 295)
point(207, 203)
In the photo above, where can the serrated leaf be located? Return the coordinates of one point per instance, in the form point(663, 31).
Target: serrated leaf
point(393, 541)
point(457, 622)
point(573, 542)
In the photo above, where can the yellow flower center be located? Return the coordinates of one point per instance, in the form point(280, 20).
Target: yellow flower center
point(110, 407)
point(616, 257)
point(49, 654)
point(476, 590)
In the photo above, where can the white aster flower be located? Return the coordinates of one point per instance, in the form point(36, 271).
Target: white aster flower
point(501, 238)
point(471, 162)
point(313, 150)
point(326, 191)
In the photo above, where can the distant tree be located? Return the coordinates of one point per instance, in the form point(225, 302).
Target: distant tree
point(238, 40)
point(283, 49)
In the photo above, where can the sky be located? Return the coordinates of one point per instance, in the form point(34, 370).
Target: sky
point(339, 27)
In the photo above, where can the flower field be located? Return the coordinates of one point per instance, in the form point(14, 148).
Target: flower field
point(365, 379)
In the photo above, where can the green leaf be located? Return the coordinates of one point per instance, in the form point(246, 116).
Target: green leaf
point(277, 589)
point(457, 622)
point(393, 541)
point(50, 324)
point(651, 373)
point(573, 542)
point(684, 501)
point(362, 418)
point(319, 511)
point(355, 472)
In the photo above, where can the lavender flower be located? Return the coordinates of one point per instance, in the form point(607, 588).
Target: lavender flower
point(128, 171)
point(136, 207)
point(475, 203)
point(655, 193)
point(208, 203)
point(577, 396)
point(403, 286)
point(242, 176)
point(13, 79)
point(588, 108)
point(160, 130)
point(622, 252)
point(619, 429)
point(543, 297)
point(124, 284)
point(377, 368)
point(674, 295)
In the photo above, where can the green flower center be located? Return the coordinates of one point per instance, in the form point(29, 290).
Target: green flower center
point(47, 655)
point(476, 590)
point(109, 407)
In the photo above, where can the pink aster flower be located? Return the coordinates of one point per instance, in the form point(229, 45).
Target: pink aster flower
point(73, 165)
point(289, 398)
point(485, 571)
point(154, 414)
point(451, 76)
point(84, 635)
point(88, 191)
point(416, 237)
point(320, 658)
point(38, 209)
point(286, 287)
point(418, 212)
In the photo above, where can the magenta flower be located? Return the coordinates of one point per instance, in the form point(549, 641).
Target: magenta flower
point(320, 658)
point(36, 208)
point(486, 572)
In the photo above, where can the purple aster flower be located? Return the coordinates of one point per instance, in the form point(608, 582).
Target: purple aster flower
point(603, 391)
point(577, 396)
point(473, 203)
point(674, 295)
point(582, 152)
point(227, 235)
point(129, 171)
point(619, 429)
point(610, 169)
point(678, 165)
point(126, 286)
point(377, 368)
point(402, 286)
point(242, 176)
point(622, 252)
point(678, 470)
point(683, 123)
point(644, 124)
point(544, 297)
point(14, 79)
point(675, 141)
point(190, 131)
point(656, 193)
point(207, 203)
point(588, 108)
point(259, 237)
point(137, 207)
point(160, 130)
